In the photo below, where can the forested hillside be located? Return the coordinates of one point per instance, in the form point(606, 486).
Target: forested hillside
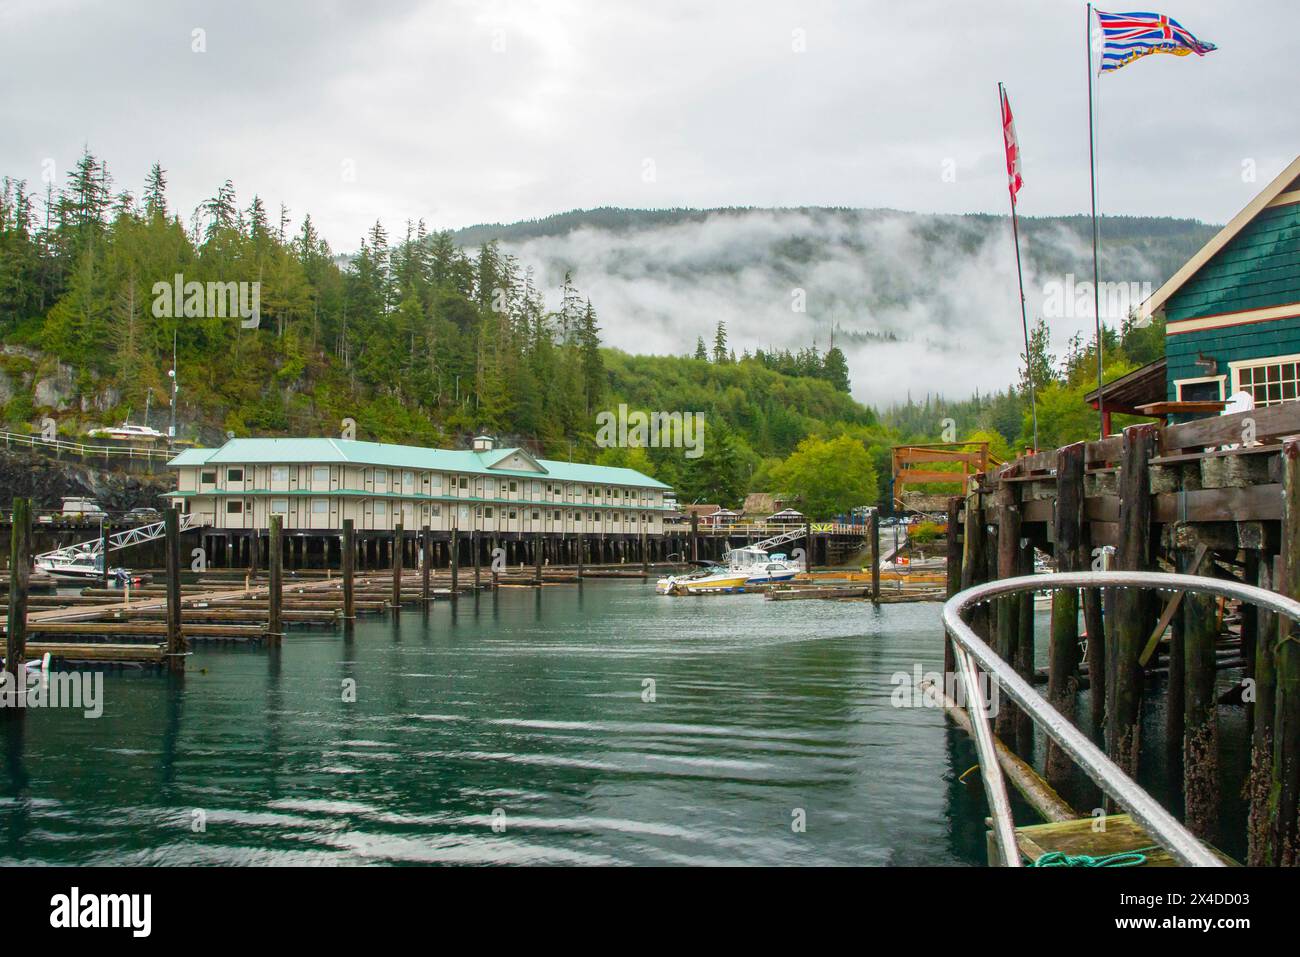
point(422, 339)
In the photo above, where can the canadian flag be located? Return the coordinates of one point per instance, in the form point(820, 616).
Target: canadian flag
point(1014, 182)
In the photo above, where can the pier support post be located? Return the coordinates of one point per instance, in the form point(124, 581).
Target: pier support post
point(973, 564)
point(478, 559)
point(875, 557)
point(349, 561)
point(454, 553)
point(953, 568)
point(105, 582)
point(20, 571)
point(1259, 845)
point(426, 562)
point(1132, 605)
point(1284, 800)
point(537, 556)
point(645, 554)
point(581, 547)
point(1008, 610)
point(1200, 722)
point(398, 550)
point(1063, 645)
point(275, 581)
point(175, 637)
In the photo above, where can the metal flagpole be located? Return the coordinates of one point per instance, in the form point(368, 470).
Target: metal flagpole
point(1020, 279)
point(1092, 179)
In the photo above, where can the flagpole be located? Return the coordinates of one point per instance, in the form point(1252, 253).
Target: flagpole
point(1020, 279)
point(1092, 181)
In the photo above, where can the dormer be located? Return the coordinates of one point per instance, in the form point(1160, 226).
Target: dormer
point(513, 460)
point(484, 443)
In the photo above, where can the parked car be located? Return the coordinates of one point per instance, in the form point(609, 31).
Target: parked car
point(78, 507)
point(144, 515)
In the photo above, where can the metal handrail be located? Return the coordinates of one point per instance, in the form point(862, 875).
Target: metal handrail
point(79, 448)
point(971, 650)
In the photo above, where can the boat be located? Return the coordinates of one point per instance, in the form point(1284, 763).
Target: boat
point(125, 431)
point(744, 568)
point(86, 565)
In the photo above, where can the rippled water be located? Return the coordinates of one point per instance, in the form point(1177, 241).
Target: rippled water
point(522, 710)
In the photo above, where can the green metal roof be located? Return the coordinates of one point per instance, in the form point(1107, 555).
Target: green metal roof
point(351, 452)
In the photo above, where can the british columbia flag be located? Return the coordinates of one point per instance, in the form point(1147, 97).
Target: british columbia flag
point(1130, 36)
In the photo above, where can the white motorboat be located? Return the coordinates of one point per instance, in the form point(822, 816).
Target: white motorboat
point(743, 568)
point(126, 431)
point(86, 566)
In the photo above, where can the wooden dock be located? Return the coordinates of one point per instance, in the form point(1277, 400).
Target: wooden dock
point(1216, 497)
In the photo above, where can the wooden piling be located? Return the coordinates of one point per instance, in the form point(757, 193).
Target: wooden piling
point(426, 562)
point(20, 571)
point(1284, 797)
point(275, 579)
point(398, 555)
point(1123, 731)
point(454, 555)
point(875, 556)
point(1063, 644)
point(645, 553)
point(349, 563)
point(478, 559)
point(1200, 722)
point(176, 646)
point(538, 556)
point(695, 538)
point(1008, 609)
point(1259, 845)
point(953, 567)
point(105, 578)
point(581, 546)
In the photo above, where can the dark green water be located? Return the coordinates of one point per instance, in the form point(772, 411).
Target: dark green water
point(528, 704)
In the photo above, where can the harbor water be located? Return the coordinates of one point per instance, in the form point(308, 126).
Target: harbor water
point(600, 724)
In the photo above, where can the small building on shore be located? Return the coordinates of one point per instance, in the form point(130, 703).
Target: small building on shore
point(1232, 312)
point(316, 483)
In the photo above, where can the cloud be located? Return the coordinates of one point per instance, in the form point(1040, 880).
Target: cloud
point(921, 304)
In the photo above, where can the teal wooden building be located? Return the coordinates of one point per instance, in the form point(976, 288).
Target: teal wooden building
point(1232, 312)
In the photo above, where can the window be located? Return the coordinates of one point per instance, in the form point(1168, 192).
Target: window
point(1270, 382)
point(321, 474)
point(464, 482)
point(511, 515)
point(279, 473)
point(381, 478)
point(381, 508)
point(208, 478)
point(234, 475)
point(487, 512)
point(435, 481)
point(437, 510)
point(234, 508)
point(609, 517)
point(408, 479)
point(279, 506)
point(536, 516)
point(514, 486)
point(591, 492)
point(557, 516)
point(320, 506)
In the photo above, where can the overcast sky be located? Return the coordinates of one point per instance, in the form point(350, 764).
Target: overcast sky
point(466, 112)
